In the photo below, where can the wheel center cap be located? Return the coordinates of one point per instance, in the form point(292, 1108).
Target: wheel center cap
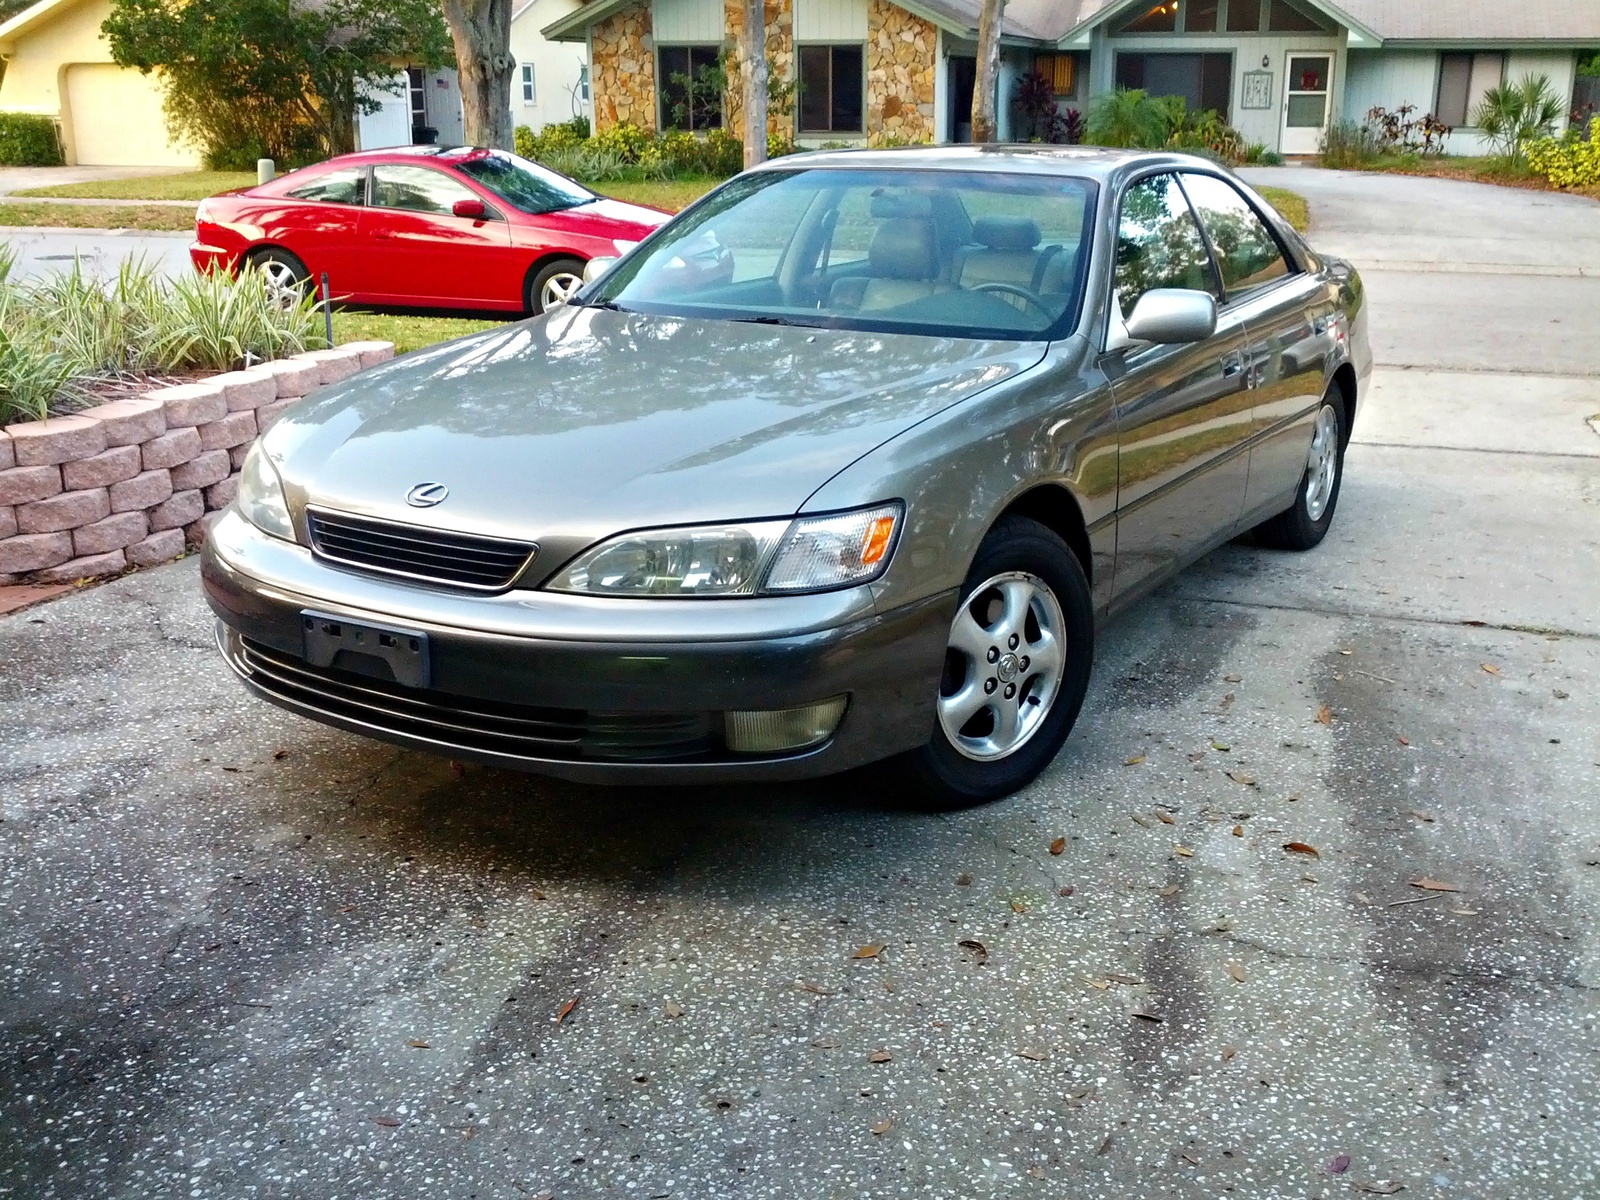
point(1007, 668)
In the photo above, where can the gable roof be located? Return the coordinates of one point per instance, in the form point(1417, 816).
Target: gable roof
point(29, 18)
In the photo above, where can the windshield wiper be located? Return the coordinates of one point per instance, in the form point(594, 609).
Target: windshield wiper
point(608, 305)
point(770, 320)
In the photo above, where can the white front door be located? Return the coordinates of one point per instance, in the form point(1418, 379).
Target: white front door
point(1307, 99)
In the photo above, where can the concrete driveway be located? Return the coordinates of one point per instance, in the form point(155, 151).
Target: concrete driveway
point(248, 956)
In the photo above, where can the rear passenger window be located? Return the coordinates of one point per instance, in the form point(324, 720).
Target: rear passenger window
point(1247, 252)
point(336, 187)
point(1158, 243)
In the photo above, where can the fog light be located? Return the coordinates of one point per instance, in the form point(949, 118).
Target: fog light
point(764, 731)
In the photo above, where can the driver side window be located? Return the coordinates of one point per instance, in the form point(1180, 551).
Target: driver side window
point(1159, 244)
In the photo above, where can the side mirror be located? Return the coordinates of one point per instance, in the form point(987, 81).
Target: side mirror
point(473, 210)
point(1173, 315)
point(597, 267)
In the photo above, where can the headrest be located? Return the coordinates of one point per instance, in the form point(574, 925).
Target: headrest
point(903, 249)
point(886, 204)
point(1006, 233)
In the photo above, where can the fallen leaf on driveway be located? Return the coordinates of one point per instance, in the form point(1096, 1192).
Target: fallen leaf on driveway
point(1066, 891)
point(1216, 745)
point(419, 1044)
point(1233, 679)
point(1130, 980)
point(565, 1010)
point(1033, 1055)
point(880, 1056)
point(1493, 670)
point(826, 1042)
point(1324, 715)
point(1227, 1053)
point(1140, 819)
point(674, 1010)
point(1165, 818)
point(1465, 912)
point(1059, 846)
point(1402, 739)
point(1241, 777)
point(1237, 972)
point(977, 949)
point(1301, 848)
point(963, 880)
point(1105, 1146)
point(1017, 906)
point(1099, 983)
point(1134, 761)
point(1151, 1017)
point(1340, 1164)
point(816, 989)
point(280, 755)
point(1183, 852)
point(1170, 890)
point(387, 1122)
point(1238, 831)
point(1036, 1171)
point(1433, 885)
point(869, 951)
point(1347, 653)
point(882, 1127)
point(1381, 1189)
point(1421, 815)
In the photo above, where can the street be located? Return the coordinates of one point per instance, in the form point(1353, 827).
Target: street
point(1307, 907)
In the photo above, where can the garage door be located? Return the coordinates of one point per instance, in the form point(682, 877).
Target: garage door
point(117, 119)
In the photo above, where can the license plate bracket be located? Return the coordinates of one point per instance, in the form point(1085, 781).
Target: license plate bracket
point(379, 651)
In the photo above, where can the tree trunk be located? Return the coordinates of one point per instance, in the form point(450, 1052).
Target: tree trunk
point(481, 32)
point(753, 79)
point(984, 126)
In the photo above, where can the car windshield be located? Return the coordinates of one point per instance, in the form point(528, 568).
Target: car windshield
point(947, 253)
point(522, 184)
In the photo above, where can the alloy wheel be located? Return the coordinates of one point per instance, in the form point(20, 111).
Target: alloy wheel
point(1322, 464)
point(283, 283)
point(558, 289)
point(1003, 666)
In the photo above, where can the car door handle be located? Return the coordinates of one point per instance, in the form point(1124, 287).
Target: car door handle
point(1233, 365)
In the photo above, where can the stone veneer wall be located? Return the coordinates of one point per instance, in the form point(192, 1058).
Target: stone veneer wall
point(625, 69)
point(130, 483)
point(902, 56)
point(780, 61)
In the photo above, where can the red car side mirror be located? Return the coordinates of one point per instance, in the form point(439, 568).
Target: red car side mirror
point(471, 209)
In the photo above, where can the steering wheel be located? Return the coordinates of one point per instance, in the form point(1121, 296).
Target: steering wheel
point(1012, 289)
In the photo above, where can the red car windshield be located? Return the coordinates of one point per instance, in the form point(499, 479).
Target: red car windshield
point(522, 184)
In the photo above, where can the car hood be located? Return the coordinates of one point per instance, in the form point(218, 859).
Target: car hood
point(587, 422)
point(603, 217)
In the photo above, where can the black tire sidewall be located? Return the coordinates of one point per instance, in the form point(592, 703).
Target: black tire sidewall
point(536, 282)
point(949, 778)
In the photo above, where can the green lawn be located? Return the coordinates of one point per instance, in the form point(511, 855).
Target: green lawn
point(88, 216)
point(672, 195)
point(1291, 204)
point(407, 333)
point(185, 185)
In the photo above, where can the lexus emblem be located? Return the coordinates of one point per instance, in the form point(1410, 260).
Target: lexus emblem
point(426, 495)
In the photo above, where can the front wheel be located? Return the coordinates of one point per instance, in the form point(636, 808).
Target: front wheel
point(1016, 669)
point(1306, 522)
point(554, 284)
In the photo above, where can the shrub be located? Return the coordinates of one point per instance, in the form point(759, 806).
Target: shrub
point(1207, 133)
point(61, 333)
point(29, 140)
point(1399, 132)
point(627, 142)
point(780, 144)
point(1568, 161)
point(1347, 146)
point(1129, 118)
point(1513, 114)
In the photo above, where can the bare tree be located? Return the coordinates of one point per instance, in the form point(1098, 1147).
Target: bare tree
point(481, 31)
point(753, 80)
point(984, 127)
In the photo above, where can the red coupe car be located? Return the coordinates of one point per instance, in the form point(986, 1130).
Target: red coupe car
point(422, 226)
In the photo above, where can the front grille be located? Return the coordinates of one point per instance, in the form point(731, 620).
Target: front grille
point(436, 556)
point(468, 723)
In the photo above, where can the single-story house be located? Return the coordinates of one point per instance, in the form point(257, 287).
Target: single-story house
point(1278, 70)
point(551, 84)
point(58, 64)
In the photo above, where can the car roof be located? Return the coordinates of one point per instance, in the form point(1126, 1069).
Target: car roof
point(400, 152)
point(1095, 162)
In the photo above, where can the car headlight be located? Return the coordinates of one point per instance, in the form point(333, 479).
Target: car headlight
point(261, 499)
point(807, 554)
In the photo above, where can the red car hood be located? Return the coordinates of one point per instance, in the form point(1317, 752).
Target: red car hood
point(614, 219)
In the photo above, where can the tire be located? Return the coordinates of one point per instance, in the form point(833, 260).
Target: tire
point(553, 282)
point(975, 757)
point(286, 276)
point(1305, 523)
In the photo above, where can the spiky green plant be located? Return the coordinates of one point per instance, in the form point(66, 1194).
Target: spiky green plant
point(1513, 114)
point(1127, 117)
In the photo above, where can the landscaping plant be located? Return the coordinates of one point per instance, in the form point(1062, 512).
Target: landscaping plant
point(1349, 146)
point(1513, 114)
point(1570, 160)
point(1128, 118)
point(1400, 132)
point(64, 333)
point(28, 140)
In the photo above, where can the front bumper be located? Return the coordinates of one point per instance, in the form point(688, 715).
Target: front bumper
point(600, 691)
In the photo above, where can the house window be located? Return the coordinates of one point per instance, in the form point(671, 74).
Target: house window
point(1061, 70)
point(583, 83)
point(417, 88)
point(1284, 17)
point(1205, 81)
point(831, 81)
point(1159, 18)
point(1200, 16)
point(527, 83)
point(1244, 16)
point(688, 83)
point(1463, 81)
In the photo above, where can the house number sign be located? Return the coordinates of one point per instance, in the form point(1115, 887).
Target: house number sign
point(1257, 90)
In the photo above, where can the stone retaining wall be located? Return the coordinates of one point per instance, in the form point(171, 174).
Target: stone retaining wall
point(130, 483)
